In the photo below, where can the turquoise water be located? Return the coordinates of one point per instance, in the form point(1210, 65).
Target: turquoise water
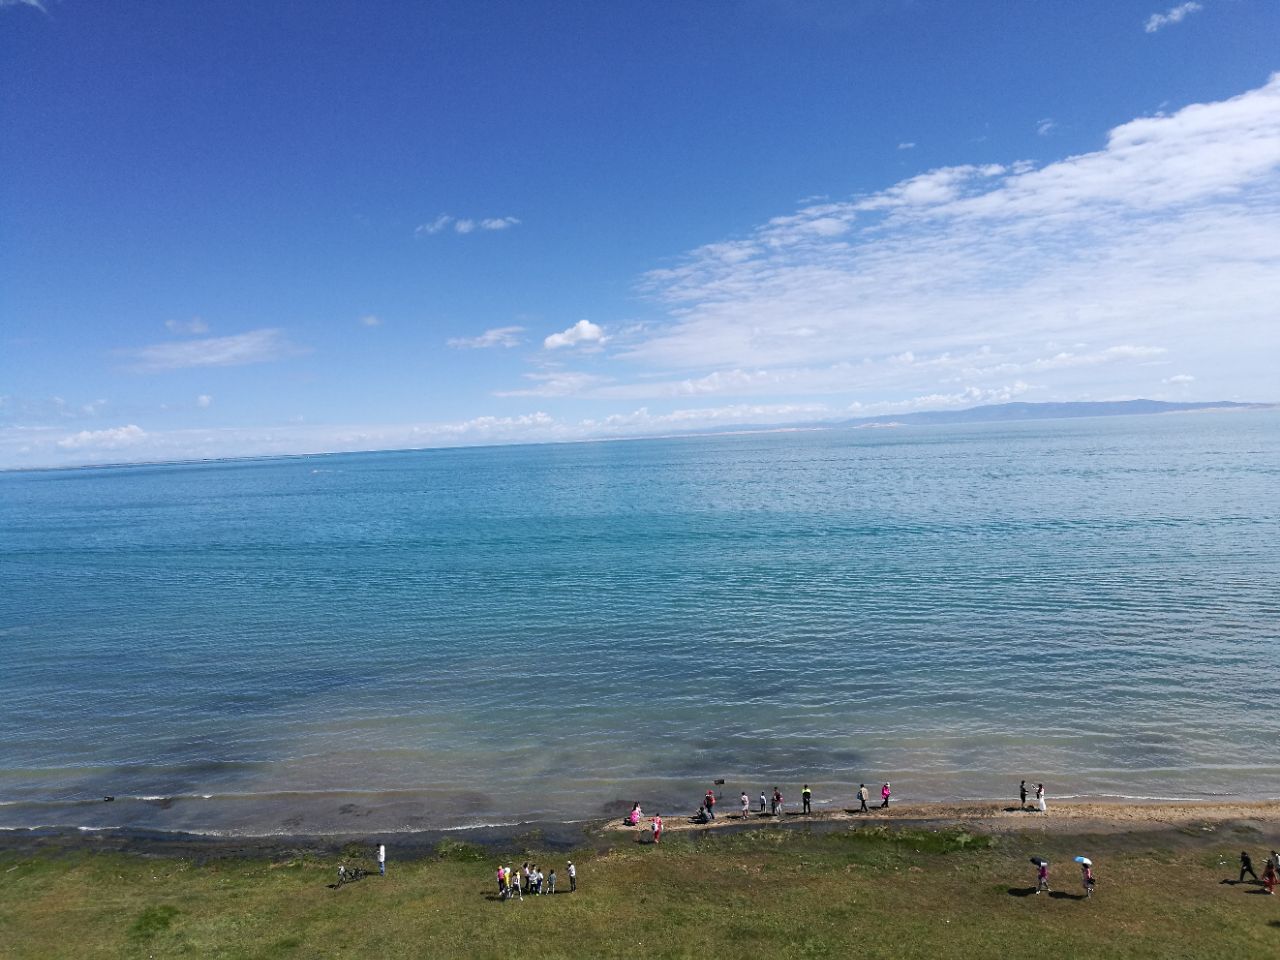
point(442, 638)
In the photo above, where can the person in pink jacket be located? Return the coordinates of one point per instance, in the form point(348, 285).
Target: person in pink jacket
point(884, 795)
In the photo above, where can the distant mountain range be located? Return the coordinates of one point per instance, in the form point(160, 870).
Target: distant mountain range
point(1007, 412)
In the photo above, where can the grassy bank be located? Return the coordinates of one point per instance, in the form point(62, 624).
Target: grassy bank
point(761, 894)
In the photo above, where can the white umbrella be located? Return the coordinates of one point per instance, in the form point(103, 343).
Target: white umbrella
point(1084, 860)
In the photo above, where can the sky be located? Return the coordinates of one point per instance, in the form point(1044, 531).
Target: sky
point(246, 228)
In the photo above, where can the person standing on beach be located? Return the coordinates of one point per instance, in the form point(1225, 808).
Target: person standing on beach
point(777, 802)
point(382, 859)
point(746, 804)
point(1040, 798)
point(805, 796)
point(1246, 866)
point(1022, 794)
point(762, 801)
point(711, 805)
point(863, 796)
point(884, 795)
point(656, 824)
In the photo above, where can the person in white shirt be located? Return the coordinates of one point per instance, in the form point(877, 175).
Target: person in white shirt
point(746, 804)
point(573, 877)
point(382, 859)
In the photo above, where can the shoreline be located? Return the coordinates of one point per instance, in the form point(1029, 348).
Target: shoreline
point(1064, 818)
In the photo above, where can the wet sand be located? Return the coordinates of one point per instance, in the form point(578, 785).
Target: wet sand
point(1182, 823)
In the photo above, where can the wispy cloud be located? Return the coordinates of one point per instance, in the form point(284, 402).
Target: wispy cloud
point(1163, 244)
point(446, 221)
point(189, 327)
point(113, 439)
point(1046, 126)
point(1158, 21)
point(497, 337)
point(34, 4)
point(256, 346)
point(370, 320)
point(563, 383)
point(1179, 380)
point(584, 331)
point(204, 401)
point(906, 145)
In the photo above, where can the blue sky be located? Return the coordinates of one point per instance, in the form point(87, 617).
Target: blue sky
point(249, 228)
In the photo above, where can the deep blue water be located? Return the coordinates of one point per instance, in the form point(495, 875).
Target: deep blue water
point(439, 638)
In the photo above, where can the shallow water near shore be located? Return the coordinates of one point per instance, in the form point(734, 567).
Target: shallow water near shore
point(438, 639)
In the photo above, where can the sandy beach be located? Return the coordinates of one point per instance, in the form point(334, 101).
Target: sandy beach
point(1065, 818)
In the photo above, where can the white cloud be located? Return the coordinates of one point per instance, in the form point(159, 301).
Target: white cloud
point(193, 326)
point(370, 320)
point(464, 225)
point(1176, 14)
point(204, 400)
point(564, 383)
point(438, 225)
point(906, 145)
point(1162, 244)
point(1046, 126)
point(584, 331)
point(34, 4)
point(497, 337)
point(113, 439)
point(1179, 380)
point(256, 346)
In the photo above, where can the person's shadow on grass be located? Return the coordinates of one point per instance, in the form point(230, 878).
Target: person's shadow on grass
point(1059, 895)
point(1022, 891)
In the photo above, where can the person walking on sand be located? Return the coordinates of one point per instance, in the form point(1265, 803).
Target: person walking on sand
point(777, 802)
point(1042, 876)
point(746, 804)
point(1022, 794)
point(656, 823)
point(884, 795)
point(711, 805)
point(382, 859)
point(806, 795)
point(573, 876)
point(1246, 866)
point(863, 796)
point(1040, 798)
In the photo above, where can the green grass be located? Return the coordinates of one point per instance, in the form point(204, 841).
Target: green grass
point(763, 894)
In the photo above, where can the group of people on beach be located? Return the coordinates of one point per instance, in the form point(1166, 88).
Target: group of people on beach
point(531, 880)
point(1270, 871)
point(775, 803)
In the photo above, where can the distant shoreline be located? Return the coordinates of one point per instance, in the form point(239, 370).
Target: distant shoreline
point(1003, 413)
